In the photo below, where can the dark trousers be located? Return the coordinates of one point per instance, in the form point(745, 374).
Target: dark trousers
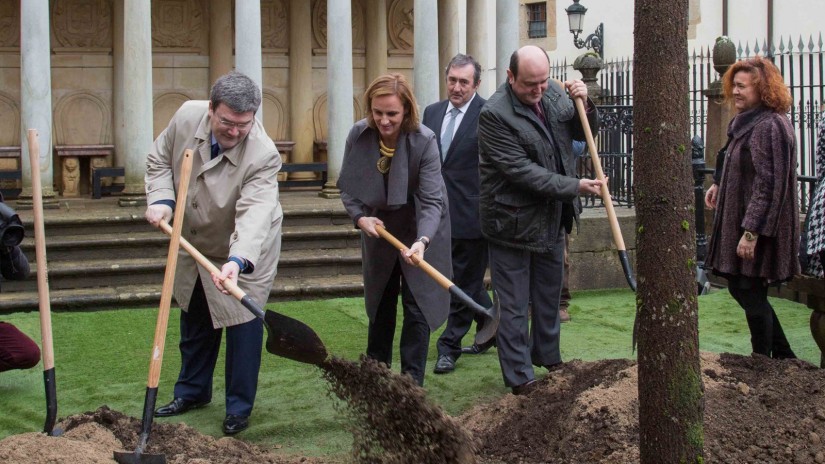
point(415, 333)
point(767, 336)
point(469, 264)
point(200, 344)
point(522, 277)
point(17, 350)
point(565, 285)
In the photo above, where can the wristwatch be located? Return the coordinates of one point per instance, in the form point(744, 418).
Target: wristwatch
point(750, 236)
point(424, 240)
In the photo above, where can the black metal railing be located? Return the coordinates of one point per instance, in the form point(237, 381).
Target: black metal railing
point(801, 62)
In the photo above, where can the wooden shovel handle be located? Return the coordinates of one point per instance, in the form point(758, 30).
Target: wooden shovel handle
point(431, 271)
point(230, 286)
point(47, 349)
point(156, 359)
point(597, 166)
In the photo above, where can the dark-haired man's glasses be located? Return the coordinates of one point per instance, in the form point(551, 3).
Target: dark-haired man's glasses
point(235, 125)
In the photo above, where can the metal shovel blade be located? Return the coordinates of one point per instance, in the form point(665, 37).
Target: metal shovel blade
point(491, 318)
point(123, 457)
point(292, 339)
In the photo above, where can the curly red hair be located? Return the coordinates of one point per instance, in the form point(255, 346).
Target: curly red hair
point(768, 81)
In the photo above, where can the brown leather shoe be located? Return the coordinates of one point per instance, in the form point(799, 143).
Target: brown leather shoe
point(526, 388)
point(564, 316)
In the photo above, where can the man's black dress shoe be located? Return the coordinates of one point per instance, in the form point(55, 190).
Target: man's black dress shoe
point(478, 349)
point(178, 406)
point(445, 364)
point(526, 388)
point(234, 424)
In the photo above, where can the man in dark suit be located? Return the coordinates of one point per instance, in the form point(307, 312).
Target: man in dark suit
point(455, 121)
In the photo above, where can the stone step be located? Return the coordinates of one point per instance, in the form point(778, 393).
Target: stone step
point(153, 243)
point(114, 272)
point(136, 296)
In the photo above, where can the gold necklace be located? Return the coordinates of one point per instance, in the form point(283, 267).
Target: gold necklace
point(384, 161)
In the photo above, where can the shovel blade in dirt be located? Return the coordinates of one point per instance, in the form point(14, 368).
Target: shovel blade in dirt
point(123, 457)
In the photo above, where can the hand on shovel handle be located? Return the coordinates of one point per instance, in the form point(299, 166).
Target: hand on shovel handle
point(286, 337)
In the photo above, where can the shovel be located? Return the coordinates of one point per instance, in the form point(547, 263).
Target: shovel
point(491, 314)
point(608, 201)
point(43, 287)
point(138, 456)
point(286, 337)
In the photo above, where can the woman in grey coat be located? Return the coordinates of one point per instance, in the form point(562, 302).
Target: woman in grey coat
point(391, 176)
point(756, 226)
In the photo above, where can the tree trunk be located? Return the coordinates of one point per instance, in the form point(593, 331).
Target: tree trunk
point(670, 384)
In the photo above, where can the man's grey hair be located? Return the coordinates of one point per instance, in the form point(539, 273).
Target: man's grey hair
point(461, 60)
point(237, 91)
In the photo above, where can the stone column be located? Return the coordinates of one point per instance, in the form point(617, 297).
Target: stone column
point(135, 121)
point(339, 90)
point(507, 35)
point(36, 97)
point(589, 65)
point(477, 42)
point(220, 39)
point(425, 52)
point(447, 38)
point(376, 35)
point(248, 42)
point(300, 84)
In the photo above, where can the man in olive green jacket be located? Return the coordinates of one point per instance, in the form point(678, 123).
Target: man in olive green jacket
point(233, 216)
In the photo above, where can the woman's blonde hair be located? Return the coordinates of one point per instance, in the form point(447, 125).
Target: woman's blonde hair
point(394, 84)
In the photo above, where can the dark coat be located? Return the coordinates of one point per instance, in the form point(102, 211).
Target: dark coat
point(414, 203)
point(757, 192)
point(524, 196)
point(460, 166)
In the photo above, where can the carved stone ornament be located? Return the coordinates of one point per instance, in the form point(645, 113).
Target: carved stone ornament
point(10, 24)
point(400, 24)
point(274, 24)
point(177, 23)
point(319, 23)
point(82, 23)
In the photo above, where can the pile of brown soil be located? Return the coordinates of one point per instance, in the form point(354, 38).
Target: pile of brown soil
point(93, 437)
point(756, 410)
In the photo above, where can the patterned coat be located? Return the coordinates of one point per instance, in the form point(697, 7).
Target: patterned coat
point(816, 213)
point(757, 192)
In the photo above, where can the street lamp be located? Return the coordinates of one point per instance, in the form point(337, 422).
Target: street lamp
point(575, 16)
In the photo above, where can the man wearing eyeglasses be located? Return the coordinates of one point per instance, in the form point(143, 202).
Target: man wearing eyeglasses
point(233, 216)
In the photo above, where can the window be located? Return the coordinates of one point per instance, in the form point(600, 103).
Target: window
point(536, 20)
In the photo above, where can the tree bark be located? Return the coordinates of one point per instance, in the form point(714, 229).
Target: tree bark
point(671, 393)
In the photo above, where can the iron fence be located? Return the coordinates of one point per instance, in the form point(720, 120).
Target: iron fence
point(801, 62)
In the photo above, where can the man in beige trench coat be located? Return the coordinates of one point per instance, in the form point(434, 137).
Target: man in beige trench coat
point(233, 217)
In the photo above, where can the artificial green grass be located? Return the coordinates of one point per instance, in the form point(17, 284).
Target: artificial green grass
point(102, 358)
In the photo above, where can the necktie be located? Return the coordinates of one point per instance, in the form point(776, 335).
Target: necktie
point(447, 137)
point(215, 150)
point(537, 109)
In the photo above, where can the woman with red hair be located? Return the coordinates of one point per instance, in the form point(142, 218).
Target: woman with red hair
point(756, 225)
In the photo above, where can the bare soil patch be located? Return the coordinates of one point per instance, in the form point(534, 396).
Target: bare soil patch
point(756, 410)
